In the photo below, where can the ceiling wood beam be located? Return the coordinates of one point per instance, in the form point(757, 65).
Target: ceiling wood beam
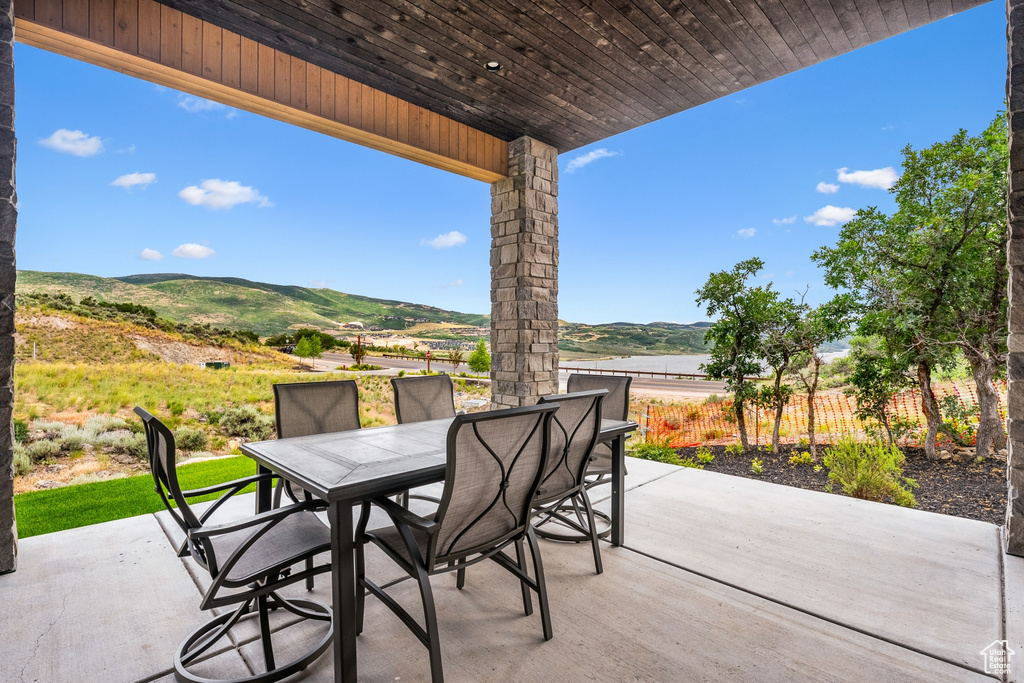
point(157, 43)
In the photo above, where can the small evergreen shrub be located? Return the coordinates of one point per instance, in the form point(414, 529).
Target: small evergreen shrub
point(20, 431)
point(704, 455)
point(133, 445)
point(72, 439)
point(870, 471)
point(757, 466)
point(657, 450)
point(22, 460)
point(734, 449)
point(801, 459)
point(43, 450)
point(247, 422)
point(189, 439)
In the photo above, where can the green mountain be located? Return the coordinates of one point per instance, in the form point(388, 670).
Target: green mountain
point(235, 303)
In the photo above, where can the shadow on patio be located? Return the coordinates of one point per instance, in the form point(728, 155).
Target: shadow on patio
point(721, 579)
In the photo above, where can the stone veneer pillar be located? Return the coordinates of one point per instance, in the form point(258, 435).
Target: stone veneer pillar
point(8, 222)
point(524, 276)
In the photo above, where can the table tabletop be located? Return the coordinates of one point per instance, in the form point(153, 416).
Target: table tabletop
point(362, 463)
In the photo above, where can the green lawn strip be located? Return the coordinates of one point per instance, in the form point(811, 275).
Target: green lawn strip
point(43, 512)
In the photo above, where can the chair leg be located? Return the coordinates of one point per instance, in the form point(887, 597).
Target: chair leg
point(594, 541)
point(542, 590)
point(309, 579)
point(430, 623)
point(521, 561)
point(360, 589)
point(460, 576)
point(268, 647)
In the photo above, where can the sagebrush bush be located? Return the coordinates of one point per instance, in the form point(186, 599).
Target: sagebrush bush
point(72, 439)
point(133, 445)
point(247, 422)
point(49, 428)
point(22, 460)
point(870, 471)
point(189, 439)
point(43, 449)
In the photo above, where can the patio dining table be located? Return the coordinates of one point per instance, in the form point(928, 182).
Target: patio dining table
point(346, 468)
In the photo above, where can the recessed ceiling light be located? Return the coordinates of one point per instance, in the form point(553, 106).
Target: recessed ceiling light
point(493, 66)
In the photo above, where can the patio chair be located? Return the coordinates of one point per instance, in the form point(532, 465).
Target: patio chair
point(418, 399)
point(575, 429)
point(494, 465)
point(249, 561)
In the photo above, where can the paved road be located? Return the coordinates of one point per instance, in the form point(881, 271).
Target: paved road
point(642, 385)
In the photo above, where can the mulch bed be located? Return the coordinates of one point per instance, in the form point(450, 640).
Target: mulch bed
point(961, 487)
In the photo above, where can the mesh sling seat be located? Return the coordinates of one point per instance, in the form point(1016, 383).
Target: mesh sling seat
point(575, 429)
point(249, 561)
point(418, 399)
point(494, 464)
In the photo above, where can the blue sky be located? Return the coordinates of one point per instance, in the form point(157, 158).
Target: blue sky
point(216, 191)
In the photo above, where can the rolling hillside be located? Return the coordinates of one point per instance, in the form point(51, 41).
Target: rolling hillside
point(241, 304)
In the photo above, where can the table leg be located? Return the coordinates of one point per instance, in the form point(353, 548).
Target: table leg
point(264, 490)
point(618, 489)
point(344, 587)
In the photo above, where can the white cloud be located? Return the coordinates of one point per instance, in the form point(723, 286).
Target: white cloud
point(130, 180)
point(130, 149)
point(222, 194)
point(827, 188)
point(456, 283)
point(192, 251)
point(784, 221)
point(445, 240)
point(747, 232)
point(831, 215)
point(151, 255)
point(880, 178)
point(73, 142)
point(584, 159)
point(198, 105)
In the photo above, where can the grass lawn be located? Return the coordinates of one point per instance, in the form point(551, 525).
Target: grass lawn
point(43, 512)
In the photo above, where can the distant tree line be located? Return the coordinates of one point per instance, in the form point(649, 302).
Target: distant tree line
point(920, 289)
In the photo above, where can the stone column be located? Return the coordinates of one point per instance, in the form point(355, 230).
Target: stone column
point(524, 276)
point(8, 222)
point(1014, 530)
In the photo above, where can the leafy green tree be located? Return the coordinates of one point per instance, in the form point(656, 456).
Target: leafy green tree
point(931, 277)
point(778, 346)
point(879, 371)
point(309, 347)
point(826, 323)
point(734, 339)
point(480, 360)
point(456, 357)
point(357, 350)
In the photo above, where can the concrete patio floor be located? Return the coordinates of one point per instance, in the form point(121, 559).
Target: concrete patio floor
point(721, 579)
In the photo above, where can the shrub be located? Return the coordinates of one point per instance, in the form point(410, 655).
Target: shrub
point(734, 449)
point(712, 435)
point(757, 466)
point(672, 422)
point(801, 459)
point(870, 471)
point(401, 373)
point(133, 445)
point(20, 431)
point(176, 408)
point(72, 439)
point(101, 424)
point(657, 450)
point(42, 450)
point(22, 460)
point(247, 422)
point(480, 360)
point(713, 399)
point(189, 439)
point(50, 429)
point(704, 455)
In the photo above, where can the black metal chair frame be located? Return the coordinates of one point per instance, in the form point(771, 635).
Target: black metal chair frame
point(554, 506)
point(423, 566)
point(261, 596)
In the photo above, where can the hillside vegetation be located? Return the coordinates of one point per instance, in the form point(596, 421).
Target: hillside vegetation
point(239, 304)
point(630, 339)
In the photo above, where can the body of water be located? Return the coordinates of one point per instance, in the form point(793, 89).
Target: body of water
point(685, 364)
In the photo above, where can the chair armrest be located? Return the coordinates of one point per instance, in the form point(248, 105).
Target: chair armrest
point(274, 515)
point(406, 516)
point(240, 483)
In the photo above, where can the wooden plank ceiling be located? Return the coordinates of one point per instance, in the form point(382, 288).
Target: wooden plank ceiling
point(572, 71)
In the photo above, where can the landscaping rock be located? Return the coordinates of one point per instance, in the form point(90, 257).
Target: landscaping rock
point(53, 469)
point(48, 484)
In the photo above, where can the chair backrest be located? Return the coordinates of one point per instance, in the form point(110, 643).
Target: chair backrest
point(418, 399)
point(575, 429)
point(616, 403)
point(305, 408)
point(160, 444)
point(494, 465)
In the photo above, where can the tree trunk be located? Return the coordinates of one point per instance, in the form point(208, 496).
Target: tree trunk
point(741, 423)
point(779, 407)
point(812, 389)
point(929, 406)
point(990, 437)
